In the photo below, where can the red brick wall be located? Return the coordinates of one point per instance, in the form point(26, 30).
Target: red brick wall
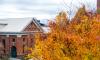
point(19, 43)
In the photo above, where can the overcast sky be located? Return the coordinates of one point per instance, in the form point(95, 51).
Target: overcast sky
point(41, 9)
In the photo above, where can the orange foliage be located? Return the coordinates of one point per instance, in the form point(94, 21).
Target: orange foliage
point(78, 39)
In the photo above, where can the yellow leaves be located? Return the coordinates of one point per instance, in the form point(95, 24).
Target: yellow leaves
point(66, 58)
point(68, 41)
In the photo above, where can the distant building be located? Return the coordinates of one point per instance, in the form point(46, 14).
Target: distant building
point(98, 6)
point(17, 35)
point(98, 3)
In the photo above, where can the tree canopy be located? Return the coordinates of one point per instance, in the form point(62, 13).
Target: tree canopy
point(78, 39)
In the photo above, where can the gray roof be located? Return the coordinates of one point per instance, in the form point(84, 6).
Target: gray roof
point(16, 24)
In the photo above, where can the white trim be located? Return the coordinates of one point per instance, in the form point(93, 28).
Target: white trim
point(7, 35)
point(18, 35)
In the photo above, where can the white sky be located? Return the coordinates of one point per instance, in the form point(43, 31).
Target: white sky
point(41, 9)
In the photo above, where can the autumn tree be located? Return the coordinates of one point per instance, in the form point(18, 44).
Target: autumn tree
point(78, 39)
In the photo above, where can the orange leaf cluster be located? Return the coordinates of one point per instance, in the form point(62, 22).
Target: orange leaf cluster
point(78, 39)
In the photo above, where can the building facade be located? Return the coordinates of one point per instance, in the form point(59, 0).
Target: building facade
point(17, 35)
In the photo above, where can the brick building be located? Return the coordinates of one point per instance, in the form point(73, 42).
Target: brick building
point(17, 34)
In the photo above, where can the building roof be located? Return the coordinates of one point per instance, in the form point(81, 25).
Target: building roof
point(16, 24)
point(46, 29)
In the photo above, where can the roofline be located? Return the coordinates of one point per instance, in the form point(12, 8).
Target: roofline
point(16, 33)
point(26, 25)
point(6, 33)
point(37, 24)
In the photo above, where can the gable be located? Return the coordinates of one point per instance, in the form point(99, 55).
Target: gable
point(31, 28)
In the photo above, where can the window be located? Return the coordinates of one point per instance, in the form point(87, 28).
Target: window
point(32, 42)
point(4, 44)
point(3, 41)
point(13, 40)
point(23, 39)
point(23, 48)
point(23, 45)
